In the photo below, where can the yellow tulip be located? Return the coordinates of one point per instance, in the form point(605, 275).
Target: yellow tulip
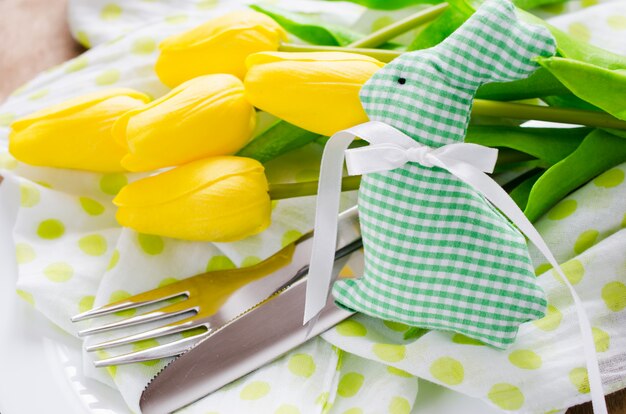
point(318, 91)
point(219, 199)
point(205, 116)
point(220, 45)
point(75, 134)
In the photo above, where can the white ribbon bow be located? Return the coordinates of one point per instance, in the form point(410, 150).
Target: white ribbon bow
point(389, 149)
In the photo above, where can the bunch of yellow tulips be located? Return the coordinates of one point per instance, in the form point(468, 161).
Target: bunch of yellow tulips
point(219, 71)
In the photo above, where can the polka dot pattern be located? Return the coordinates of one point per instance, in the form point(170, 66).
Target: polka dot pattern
point(614, 296)
point(219, 263)
point(506, 396)
point(150, 244)
point(617, 22)
point(111, 184)
point(24, 253)
point(448, 370)
point(108, 77)
point(111, 11)
point(601, 339)
point(551, 321)
point(287, 409)
point(93, 245)
point(580, 31)
point(144, 46)
point(86, 303)
point(610, 178)
point(525, 359)
point(585, 240)
point(302, 365)
point(573, 270)
point(29, 196)
point(115, 257)
point(578, 377)
point(350, 384)
point(563, 210)
point(289, 237)
point(58, 272)
point(76, 64)
point(27, 297)
point(399, 405)
point(396, 326)
point(91, 206)
point(465, 340)
point(50, 229)
point(255, 390)
point(351, 328)
point(6, 119)
point(389, 352)
point(7, 162)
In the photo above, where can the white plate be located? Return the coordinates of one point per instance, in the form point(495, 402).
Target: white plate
point(41, 366)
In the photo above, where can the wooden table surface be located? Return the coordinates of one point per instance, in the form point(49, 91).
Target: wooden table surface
point(34, 36)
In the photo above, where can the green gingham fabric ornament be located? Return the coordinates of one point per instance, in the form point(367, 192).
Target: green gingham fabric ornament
point(437, 254)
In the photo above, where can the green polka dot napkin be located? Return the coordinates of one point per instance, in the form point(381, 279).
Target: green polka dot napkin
point(72, 254)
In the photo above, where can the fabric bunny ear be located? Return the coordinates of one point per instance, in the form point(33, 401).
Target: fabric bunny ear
point(428, 94)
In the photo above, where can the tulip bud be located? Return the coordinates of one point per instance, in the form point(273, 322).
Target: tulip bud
point(218, 199)
point(203, 117)
point(318, 91)
point(75, 134)
point(220, 45)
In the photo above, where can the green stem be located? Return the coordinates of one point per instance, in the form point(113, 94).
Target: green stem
point(367, 45)
point(395, 29)
point(309, 188)
point(281, 191)
point(546, 113)
point(380, 54)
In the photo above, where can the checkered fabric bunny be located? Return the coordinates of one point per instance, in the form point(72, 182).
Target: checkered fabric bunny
point(437, 254)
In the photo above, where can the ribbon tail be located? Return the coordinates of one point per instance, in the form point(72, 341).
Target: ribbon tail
point(500, 199)
point(325, 230)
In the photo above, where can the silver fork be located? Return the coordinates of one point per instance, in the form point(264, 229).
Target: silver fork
point(207, 301)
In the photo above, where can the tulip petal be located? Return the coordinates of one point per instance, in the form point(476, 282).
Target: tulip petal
point(220, 45)
point(181, 181)
point(316, 91)
point(218, 199)
point(206, 116)
point(75, 134)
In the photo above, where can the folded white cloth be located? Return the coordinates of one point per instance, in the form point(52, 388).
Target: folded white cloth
point(73, 255)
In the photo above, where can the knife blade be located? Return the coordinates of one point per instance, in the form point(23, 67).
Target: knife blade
point(248, 342)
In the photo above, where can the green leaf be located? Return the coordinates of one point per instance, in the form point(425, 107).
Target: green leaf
point(539, 84)
point(531, 4)
point(308, 28)
point(550, 145)
point(390, 4)
point(604, 88)
point(575, 49)
point(440, 28)
point(569, 101)
point(522, 191)
point(598, 152)
point(279, 139)
point(414, 333)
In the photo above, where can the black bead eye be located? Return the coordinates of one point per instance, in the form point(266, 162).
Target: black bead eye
point(401, 81)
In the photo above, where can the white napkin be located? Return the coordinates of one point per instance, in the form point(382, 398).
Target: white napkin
point(72, 254)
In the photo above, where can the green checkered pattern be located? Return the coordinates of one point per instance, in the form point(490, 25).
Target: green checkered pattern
point(437, 254)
